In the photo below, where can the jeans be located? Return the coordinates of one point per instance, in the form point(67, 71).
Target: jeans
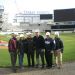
point(21, 56)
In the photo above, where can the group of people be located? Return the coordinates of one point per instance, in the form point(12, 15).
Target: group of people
point(36, 45)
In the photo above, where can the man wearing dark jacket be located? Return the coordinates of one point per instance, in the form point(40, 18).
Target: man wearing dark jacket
point(12, 47)
point(39, 45)
point(49, 46)
point(58, 50)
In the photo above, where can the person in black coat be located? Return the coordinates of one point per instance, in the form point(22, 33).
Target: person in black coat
point(21, 50)
point(30, 51)
point(49, 46)
point(58, 50)
point(39, 45)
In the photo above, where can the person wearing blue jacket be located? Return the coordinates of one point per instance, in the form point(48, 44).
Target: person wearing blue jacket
point(49, 45)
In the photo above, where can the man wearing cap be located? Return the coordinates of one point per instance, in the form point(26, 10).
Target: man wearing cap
point(21, 50)
point(30, 52)
point(12, 47)
point(58, 50)
point(49, 46)
point(39, 45)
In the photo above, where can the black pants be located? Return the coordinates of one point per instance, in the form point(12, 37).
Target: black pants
point(30, 58)
point(13, 56)
point(41, 53)
point(49, 57)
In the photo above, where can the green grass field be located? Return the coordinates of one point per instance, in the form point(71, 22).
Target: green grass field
point(68, 55)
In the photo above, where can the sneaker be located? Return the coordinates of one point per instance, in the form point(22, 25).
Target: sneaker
point(59, 67)
point(42, 67)
point(22, 68)
point(48, 67)
point(37, 66)
point(14, 70)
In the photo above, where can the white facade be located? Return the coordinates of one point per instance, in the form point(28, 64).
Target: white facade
point(31, 21)
point(31, 18)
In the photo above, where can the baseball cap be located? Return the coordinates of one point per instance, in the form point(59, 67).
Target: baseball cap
point(21, 35)
point(48, 33)
point(56, 33)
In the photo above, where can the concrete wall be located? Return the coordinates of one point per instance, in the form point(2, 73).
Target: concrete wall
point(41, 27)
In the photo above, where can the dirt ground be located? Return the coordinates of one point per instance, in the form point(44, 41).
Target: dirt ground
point(68, 69)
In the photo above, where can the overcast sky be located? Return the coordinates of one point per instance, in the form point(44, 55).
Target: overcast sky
point(13, 6)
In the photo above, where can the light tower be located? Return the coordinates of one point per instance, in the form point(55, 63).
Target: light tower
point(1, 16)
